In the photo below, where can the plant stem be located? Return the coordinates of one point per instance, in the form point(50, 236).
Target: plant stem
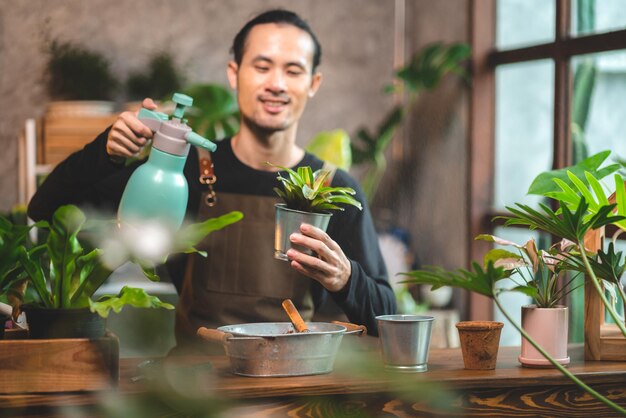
point(596, 284)
point(556, 364)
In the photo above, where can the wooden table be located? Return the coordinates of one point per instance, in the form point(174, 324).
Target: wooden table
point(197, 385)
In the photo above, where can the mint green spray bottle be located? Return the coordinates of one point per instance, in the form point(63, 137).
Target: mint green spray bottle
point(158, 190)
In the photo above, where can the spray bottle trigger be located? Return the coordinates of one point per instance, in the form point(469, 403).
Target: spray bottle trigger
point(151, 119)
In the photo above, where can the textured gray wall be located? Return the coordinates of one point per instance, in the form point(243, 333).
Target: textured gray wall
point(356, 36)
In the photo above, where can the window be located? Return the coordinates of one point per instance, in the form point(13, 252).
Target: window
point(549, 87)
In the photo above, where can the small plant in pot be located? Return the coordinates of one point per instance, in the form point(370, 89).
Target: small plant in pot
point(545, 321)
point(308, 199)
point(79, 81)
point(64, 277)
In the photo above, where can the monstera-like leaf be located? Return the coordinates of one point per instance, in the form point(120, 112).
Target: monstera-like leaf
point(214, 114)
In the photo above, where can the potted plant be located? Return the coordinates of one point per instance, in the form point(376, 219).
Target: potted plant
point(572, 221)
point(79, 81)
point(64, 277)
point(159, 81)
point(307, 199)
point(546, 321)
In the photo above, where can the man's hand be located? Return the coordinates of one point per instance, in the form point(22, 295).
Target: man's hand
point(331, 267)
point(128, 134)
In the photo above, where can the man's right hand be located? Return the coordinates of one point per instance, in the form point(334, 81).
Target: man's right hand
point(128, 134)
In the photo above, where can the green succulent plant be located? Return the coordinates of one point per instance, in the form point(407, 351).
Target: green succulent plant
point(306, 191)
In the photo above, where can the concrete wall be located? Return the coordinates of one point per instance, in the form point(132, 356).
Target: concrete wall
point(424, 189)
point(356, 36)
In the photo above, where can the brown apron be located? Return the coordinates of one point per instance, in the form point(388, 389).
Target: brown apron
point(239, 281)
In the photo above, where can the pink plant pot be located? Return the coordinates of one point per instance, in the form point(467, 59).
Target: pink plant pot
point(548, 327)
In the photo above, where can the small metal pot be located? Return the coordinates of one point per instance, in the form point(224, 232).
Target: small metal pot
point(288, 221)
point(273, 349)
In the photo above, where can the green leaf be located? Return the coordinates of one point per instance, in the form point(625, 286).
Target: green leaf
point(37, 276)
point(64, 249)
point(476, 280)
point(582, 188)
point(527, 290)
point(499, 256)
point(620, 199)
point(189, 236)
point(597, 189)
point(135, 297)
point(215, 113)
point(544, 183)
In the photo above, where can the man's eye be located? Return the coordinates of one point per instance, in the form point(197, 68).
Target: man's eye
point(261, 68)
point(295, 72)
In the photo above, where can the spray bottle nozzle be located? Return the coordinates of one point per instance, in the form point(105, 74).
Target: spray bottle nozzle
point(182, 101)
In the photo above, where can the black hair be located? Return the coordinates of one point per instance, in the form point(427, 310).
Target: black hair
point(275, 16)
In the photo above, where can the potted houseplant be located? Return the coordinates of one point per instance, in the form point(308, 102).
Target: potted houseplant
point(572, 221)
point(307, 199)
point(64, 276)
point(546, 321)
point(159, 81)
point(79, 81)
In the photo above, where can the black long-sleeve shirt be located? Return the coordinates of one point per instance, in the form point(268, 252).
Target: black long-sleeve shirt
point(89, 179)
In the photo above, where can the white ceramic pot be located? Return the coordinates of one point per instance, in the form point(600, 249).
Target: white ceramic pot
point(548, 327)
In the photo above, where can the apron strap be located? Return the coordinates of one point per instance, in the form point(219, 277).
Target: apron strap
point(207, 175)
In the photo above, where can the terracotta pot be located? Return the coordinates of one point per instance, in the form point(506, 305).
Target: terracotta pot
point(479, 343)
point(548, 327)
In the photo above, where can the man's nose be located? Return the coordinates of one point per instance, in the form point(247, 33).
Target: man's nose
point(276, 82)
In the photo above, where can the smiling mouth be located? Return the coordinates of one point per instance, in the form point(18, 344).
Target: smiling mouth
point(274, 104)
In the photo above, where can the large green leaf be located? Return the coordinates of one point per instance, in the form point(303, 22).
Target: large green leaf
point(63, 249)
point(37, 276)
point(131, 296)
point(214, 114)
point(544, 182)
point(189, 236)
point(593, 192)
point(476, 280)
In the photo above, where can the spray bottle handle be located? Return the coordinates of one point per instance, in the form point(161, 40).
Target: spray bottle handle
point(151, 119)
point(199, 141)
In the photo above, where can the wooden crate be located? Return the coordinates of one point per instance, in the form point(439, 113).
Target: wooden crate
point(603, 341)
point(59, 365)
point(64, 135)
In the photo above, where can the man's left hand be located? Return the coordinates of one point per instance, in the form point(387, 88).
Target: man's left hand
point(330, 267)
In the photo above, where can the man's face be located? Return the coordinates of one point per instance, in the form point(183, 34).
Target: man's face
point(274, 79)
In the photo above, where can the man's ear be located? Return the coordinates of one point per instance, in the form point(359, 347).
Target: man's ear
point(316, 80)
point(231, 73)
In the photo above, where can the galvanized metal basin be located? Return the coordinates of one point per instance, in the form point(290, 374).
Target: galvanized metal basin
point(275, 349)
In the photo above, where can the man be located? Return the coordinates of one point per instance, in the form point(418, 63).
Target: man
point(274, 72)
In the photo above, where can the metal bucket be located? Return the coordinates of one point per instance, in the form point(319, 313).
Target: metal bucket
point(288, 221)
point(275, 349)
point(404, 341)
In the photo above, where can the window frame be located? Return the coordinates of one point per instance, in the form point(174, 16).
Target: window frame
point(481, 147)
